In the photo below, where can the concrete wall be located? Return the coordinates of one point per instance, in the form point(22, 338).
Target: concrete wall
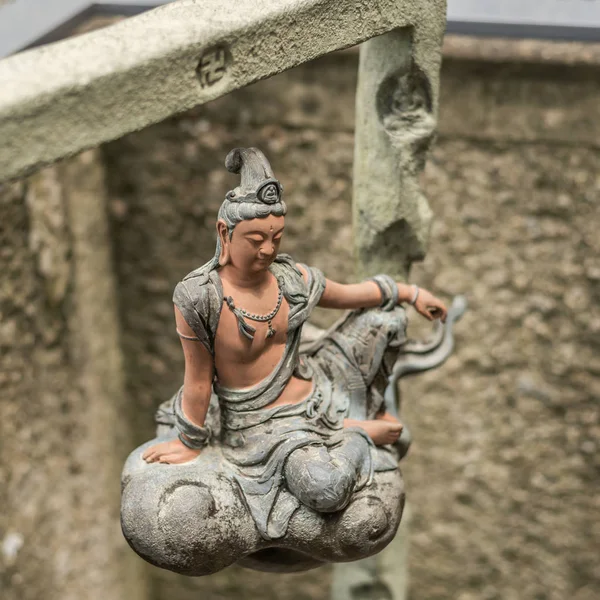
point(503, 474)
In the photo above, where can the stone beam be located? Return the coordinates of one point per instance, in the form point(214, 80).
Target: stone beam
point(75, 94)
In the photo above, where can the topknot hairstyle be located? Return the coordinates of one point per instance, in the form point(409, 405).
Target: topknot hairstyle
point(259, 193)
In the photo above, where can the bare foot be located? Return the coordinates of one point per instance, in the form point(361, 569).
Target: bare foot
point(383, 430)
point(173, 452)
point(385, 416)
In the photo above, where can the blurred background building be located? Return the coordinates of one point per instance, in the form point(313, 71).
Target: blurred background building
point(503, 474)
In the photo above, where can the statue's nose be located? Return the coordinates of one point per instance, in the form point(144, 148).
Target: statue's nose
point(267, 250)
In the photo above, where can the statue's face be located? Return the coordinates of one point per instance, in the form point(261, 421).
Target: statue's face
point(255, 243)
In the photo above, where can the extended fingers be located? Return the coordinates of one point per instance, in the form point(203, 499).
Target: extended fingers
point(436, 310)
point(160, 458)
point(426, 312)
point(441, 308)
point(176, 459)
point(149, 453)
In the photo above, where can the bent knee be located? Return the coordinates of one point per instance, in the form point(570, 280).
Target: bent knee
point(317, 482)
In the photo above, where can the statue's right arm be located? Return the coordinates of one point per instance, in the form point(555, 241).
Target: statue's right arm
point(199, 373)
point(197, 387)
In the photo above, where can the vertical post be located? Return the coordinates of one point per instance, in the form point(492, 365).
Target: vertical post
point(395, 125)
point(98, 362)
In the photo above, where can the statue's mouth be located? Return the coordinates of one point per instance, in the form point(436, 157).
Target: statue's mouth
point(265, 261)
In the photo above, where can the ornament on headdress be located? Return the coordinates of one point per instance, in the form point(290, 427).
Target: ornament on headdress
point(258, 184)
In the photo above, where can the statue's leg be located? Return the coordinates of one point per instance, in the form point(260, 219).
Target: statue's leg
point(187, 518)
point(352, 354)
point(325, 478)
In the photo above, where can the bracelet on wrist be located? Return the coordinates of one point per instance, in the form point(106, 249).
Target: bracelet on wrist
point(191, 435)
point(415, 295)
point(390, 294)
point(190, 444)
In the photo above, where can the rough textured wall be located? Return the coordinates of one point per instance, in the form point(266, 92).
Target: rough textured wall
point(62, 432)
point(502, 478)
point(504, 472)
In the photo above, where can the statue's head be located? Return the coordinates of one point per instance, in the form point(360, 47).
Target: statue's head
point(250, 220)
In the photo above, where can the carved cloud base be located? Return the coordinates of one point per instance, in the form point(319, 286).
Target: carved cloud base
point(191, 519)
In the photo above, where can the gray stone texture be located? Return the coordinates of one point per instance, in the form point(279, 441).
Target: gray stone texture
point(507, 433)
point(396, 103)
point(502, 477)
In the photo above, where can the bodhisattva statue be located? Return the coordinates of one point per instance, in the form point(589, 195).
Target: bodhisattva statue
point(271, 455)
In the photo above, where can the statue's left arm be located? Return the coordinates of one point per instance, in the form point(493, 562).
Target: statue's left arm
point(368, 294)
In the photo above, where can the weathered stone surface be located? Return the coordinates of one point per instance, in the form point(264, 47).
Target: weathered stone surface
point(62, 429)
point(191, 519)
point(237, 582)
point(379, 577)
point(317, 97)
point(98, 86)
point(395, 124)
point(396, 104)
point(562, 102)
point(511, 50)
point(504, 467)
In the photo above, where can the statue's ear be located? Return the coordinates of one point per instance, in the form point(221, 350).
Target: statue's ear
point(223, 233)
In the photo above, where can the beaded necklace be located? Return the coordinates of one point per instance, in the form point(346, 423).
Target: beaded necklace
point(242, 314)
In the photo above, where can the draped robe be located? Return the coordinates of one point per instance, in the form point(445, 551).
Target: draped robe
point(256, 442)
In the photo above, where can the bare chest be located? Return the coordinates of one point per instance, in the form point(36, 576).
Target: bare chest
point(234, 348)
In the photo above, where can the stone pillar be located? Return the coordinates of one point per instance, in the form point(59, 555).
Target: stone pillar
point(396, 104)
point(380, 577)
point(63, 415)
point(395, 124)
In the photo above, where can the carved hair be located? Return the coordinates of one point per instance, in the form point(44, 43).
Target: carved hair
point(236, 212)
point(259, 193)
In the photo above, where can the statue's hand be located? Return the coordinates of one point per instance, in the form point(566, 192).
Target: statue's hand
point(173, 452)
point(430, 307)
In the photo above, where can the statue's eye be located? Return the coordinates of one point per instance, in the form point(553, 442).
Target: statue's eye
point(269, 194)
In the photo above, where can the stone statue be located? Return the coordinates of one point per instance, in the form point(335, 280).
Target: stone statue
point(280, 451)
